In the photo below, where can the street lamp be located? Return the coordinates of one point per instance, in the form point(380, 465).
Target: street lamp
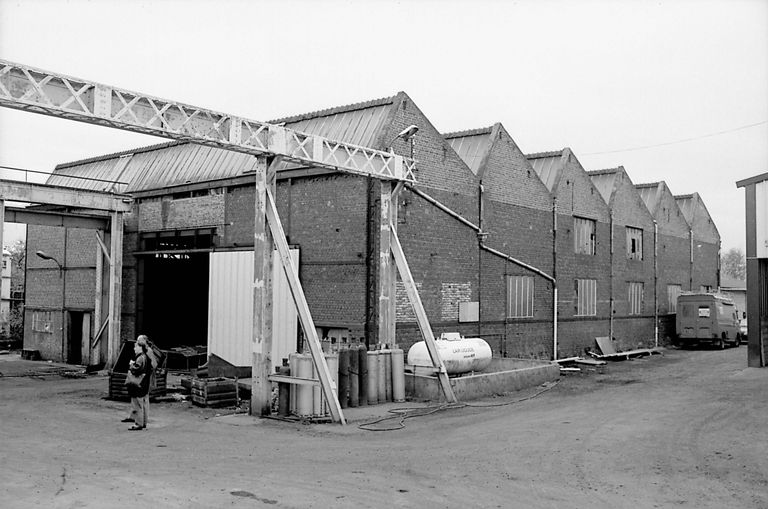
point(46, 256)
point(406, 134)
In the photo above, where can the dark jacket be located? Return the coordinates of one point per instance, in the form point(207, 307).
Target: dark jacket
point(142, 365)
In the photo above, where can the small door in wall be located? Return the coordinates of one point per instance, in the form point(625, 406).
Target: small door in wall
point(78, 338)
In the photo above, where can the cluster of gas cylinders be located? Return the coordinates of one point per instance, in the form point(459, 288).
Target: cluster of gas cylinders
point(361, 377)
point(365, 377)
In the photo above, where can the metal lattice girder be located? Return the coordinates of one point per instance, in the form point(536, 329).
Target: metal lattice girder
point(29, 89)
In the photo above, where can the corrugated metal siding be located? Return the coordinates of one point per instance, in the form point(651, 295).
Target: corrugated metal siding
point(359, 127)
point(230, 308)
point(153, 169)
point(547, 168)
point(471, 149)
point(604, 183)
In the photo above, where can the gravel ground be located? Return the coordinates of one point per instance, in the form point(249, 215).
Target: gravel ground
point(685, 429)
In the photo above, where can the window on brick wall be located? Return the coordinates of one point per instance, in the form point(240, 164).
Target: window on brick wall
point(636, 297)
point(634, 243)
point(519, 296)
point(584, 235)
point(586, 297)
point(201, 238)
point(42, 321)
point(705, 289)
point(673, 292)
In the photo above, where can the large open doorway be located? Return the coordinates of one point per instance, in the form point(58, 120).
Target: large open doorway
point(173, 299)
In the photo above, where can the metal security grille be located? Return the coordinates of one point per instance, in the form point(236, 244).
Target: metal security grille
point(519, 296)
point(584, 235)
point(586, 297)
point(634, 243)
point(673, 292)
point(636, 297)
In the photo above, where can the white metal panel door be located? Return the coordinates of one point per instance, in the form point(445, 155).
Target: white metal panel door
point(230, 308)
point(761, 219)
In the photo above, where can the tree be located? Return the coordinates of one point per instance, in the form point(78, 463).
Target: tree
point(733, 263)
point(18, 265)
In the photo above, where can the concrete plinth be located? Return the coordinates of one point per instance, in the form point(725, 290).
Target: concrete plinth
point(500, 377)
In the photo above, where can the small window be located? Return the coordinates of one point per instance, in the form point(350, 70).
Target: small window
point(519, 296)
point(636, 298)
point(584, 235)
point(705, 289)
point(586, 297)
point(42, 321)
point(673, 292)
point(634, 243)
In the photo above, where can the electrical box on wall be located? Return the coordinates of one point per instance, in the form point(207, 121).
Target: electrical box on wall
point(469, 311)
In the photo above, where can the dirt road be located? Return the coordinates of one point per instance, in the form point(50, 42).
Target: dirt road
point(686, 429)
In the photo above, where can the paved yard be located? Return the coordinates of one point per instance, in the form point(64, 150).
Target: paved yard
point(686, 429)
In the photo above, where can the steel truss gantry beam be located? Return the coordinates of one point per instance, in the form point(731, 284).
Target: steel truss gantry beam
point(35, 90)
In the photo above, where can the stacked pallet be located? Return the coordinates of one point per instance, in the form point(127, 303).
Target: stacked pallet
point(214, 392)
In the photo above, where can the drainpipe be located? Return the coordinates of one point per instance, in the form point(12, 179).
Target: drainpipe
point(610, 278)
point(656, 283)
point(690, 264)
point(554, 279)
point(482, 236)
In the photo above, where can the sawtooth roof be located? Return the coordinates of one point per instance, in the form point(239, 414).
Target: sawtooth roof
point(548, 166)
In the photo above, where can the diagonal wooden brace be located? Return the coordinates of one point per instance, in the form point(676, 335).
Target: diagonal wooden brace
point(307, 324)
point(421, 315)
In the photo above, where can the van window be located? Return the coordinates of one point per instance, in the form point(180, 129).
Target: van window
point(686, 309)
point(703, 311)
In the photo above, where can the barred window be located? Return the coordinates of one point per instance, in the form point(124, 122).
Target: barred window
point(519, 296)
point(586, 297)
point(673, 292)
point(634, 243)
point(584, 235)
point(636, 297)
point(705, 289)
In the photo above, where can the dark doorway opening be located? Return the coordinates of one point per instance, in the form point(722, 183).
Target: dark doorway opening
point(173, 299)
point(74, 337)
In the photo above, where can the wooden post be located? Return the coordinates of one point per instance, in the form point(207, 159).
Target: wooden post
point(305, 318)
point(421, 317)
point(386, 331)
point(2, 249)
point(97, 304)
point(261, 339)
point(115, 287)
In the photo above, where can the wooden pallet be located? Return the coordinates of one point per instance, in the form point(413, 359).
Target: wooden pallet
point(119, 391)
point(214, 392)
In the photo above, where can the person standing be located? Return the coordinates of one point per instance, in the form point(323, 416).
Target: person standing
point(141, 368)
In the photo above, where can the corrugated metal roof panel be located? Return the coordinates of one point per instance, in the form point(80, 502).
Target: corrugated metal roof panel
point(604, 182)
point(649, 193)
point(167, 166)
point(547, 168)
point(359, 127)
point(471, 149)
point(687, 205)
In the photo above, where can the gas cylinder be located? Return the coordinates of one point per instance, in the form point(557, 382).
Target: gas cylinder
point(459, 355)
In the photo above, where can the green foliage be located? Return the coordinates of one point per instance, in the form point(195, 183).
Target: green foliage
point(733, 263)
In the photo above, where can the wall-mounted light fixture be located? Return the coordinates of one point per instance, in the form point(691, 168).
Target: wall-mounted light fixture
point(46, 256)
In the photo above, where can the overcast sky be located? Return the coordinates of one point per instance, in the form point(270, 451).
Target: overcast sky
point(601, 77)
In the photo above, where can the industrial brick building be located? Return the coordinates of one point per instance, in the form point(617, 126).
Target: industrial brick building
point(485, 230)
point(582, 250)
point(632, 266)
point(704, 253)
point(672, 251)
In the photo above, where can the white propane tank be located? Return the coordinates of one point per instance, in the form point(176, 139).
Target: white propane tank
point(460, 355)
